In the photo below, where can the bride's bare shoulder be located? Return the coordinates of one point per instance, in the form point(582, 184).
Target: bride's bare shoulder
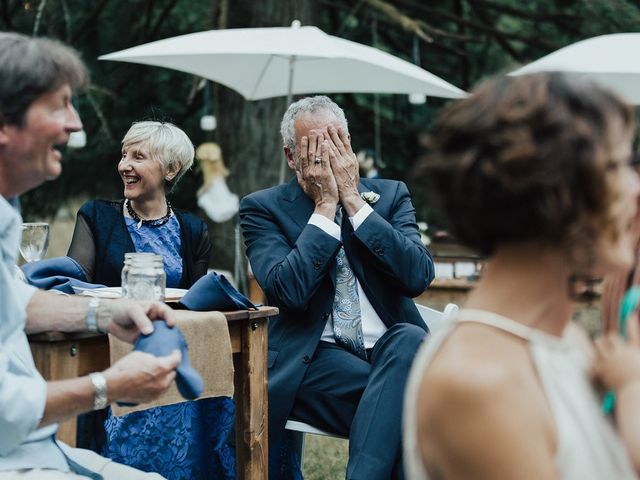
point(472, 364)
point(480, 393)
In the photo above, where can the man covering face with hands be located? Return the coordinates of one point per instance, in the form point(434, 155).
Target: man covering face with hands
point(341, 257)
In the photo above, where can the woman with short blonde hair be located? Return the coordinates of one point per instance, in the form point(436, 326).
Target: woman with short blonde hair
point(155, 156)
point(175, 440)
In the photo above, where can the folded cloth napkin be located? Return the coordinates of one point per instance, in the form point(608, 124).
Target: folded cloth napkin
point(214, 292)
point(59, 273)
point(161, 342)
point(207, 334)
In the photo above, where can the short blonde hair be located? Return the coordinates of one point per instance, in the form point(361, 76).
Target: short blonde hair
point(167, 144)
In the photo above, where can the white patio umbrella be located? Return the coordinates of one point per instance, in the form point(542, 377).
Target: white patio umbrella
point(262, 63)
point(612, 61)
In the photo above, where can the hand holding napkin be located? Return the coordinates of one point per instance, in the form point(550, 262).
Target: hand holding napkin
point(161, 342)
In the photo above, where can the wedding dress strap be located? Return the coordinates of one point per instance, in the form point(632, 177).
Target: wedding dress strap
point(472, 315)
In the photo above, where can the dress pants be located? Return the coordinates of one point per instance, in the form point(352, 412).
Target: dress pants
point(344, 394)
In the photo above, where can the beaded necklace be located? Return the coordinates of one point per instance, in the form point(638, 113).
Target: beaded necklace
point(156, 222)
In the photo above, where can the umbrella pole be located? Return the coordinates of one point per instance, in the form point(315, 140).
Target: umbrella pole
point(283, 165)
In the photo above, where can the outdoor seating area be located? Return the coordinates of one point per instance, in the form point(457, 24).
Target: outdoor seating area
point(59, 356)
point(319, 240)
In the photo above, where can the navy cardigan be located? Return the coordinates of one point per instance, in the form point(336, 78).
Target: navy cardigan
point(100, 240)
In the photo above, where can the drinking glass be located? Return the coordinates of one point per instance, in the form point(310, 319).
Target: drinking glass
point(143, 276)
point(35, 240)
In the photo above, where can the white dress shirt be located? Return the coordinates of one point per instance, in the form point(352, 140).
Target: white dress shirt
point(23, 391)
point(372, 326)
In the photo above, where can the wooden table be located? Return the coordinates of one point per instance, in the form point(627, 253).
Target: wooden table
point(60, 355)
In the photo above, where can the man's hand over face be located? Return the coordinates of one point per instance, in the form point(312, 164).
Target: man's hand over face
point(344, 165)
point(314, 172)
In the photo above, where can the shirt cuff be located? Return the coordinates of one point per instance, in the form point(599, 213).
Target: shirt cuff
point(361, 215)
point(326, 225)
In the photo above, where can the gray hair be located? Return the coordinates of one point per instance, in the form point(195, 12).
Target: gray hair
point(31, 67)
point(308, 104)
point(167, 144)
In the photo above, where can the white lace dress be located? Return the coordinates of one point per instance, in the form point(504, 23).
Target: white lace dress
point(588, 446)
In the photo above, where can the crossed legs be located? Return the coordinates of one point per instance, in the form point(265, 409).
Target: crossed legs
point(346, 395)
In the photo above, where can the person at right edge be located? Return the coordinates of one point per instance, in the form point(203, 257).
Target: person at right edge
point(534, 172)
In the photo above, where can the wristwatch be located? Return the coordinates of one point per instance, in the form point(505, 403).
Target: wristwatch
point(99, 390)
point(92, 316)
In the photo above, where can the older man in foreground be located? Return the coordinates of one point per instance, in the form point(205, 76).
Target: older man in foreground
point(37, 79)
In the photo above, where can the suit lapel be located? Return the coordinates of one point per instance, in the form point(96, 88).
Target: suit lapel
point(364, 187)
point(361, 187)
point(299, 206)
point(349, 239)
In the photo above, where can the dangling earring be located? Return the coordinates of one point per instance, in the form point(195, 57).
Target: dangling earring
point(583, 288)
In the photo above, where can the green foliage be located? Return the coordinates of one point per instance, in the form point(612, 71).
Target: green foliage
point(120, 93)
point(325, 458)
point(463, 41)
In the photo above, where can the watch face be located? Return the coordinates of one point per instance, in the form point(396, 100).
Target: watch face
point(99, 390)
point(92, 319)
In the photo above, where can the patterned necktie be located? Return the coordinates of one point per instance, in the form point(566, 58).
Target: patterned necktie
point(346, 317)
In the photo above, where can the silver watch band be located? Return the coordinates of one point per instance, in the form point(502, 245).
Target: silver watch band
point(92, 315)
point(99, 390)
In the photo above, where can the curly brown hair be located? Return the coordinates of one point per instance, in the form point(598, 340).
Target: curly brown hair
point(524, 159)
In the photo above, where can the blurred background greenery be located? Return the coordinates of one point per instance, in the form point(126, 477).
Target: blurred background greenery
point(463, 41)
point(325, 458)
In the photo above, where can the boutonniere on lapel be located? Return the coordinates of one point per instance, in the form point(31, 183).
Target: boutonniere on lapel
point(370, 197)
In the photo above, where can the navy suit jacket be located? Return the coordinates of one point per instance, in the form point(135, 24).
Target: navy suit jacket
point(294, 263)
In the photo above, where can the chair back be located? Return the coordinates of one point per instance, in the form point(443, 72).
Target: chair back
point(435, 318)
point(296, 426)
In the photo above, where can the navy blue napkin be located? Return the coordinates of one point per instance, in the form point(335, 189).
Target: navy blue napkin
point(214, 292)
point(161, 342)
point(59, 273)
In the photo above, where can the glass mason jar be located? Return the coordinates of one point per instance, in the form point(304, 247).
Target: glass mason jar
point(143, 276)
point(124, 282)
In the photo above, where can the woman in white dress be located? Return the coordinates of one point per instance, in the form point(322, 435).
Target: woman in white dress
point(532, 172)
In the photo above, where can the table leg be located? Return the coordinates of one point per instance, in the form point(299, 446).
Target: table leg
point(252, 451)
point(70, 359)
point(55, 362)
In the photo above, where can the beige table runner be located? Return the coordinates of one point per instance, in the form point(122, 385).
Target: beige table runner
point(207, 335)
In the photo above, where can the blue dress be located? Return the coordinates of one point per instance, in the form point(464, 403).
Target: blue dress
point(182, 441)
